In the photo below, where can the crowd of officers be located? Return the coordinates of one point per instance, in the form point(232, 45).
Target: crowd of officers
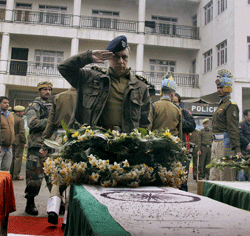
point(117, 98)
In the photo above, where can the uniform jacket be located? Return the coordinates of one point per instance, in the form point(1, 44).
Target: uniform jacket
point(244, 129)
point(93, 88)
point(37, 116)
point(7, 131)
point(164, 114)
point(226, 119)
point(62, 109)
point(19, 130)
point(205, 137)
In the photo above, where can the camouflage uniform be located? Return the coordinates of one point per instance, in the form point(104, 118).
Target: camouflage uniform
point(37, 115)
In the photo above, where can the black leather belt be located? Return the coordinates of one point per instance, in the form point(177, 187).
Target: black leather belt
point(206, 145)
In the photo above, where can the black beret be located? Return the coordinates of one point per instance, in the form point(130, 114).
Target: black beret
point(117, 44)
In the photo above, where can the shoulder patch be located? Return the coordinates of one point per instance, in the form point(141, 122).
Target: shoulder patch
point(97, 68)
point(232, 102)
point(142, 79)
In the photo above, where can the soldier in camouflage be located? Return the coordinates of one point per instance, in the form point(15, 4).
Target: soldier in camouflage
point(37, 115)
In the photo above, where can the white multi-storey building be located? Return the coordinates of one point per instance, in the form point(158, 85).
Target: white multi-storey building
point(192, 38)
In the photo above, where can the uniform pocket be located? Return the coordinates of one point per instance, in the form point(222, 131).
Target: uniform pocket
point(90, 96)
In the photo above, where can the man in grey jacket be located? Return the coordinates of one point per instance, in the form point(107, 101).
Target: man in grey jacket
point(112, 98)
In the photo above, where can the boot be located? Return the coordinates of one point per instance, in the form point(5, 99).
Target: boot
point(53, 218)
point(62, 208)
point(31, 207)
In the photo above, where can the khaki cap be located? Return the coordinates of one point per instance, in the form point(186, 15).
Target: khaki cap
point(205, 121)
point(19, 108)
point(44, 84)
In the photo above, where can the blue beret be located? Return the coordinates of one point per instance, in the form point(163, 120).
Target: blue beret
point(117, 44)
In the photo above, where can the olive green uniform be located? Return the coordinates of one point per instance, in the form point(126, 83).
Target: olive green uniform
point(226, 123)
point(194, 143)
point(62, 109)
point(18, 146)
point(164, 114)
point(37, 116)
point(205, 139)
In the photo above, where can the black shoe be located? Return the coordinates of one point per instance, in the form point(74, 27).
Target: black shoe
point(62, 208)
point(63, 226)
point(31, 207)
point(53, 218)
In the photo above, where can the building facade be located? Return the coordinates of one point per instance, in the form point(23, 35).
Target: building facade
point(183, 36)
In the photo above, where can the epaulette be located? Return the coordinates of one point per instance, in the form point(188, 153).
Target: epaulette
point(97, 68)
point(142, 79)
point(232, 102)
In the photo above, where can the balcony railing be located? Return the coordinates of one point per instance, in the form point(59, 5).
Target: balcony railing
point(29, 68)
point(41, 17)
point(108, 24)
point(181, 79)
point(172, 30)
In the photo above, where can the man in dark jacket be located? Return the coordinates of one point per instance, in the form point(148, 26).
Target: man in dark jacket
point(188, 126)
point(244, 129)
point(112, 98)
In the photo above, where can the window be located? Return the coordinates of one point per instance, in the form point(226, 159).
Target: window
point(22, 12)
point(52, 14)
point(2, 10)
point(164, 25)
point(222, 53)
point(248, 45)
point(208, 10)
point(104, 22)
point(158, 68)
point(48, 59)
point(222, 6)
point(208, 59)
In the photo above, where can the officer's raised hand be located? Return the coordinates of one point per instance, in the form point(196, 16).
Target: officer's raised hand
point(99, 56)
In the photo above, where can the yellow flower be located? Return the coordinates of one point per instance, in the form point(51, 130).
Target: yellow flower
point(76, 134)
point(87, 130)
point(106, 134)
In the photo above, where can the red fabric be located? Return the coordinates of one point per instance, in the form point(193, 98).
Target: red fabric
point(187, 137)
point(34, 226)
point(7, 197)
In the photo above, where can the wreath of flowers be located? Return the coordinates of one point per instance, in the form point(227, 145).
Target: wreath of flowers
point(231, 162)
point(93, 155)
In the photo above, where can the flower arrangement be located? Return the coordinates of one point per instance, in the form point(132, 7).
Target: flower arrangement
point(231, 162)
point(94, 155)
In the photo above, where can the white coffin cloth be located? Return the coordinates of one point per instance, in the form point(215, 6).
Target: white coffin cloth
point(169, 211)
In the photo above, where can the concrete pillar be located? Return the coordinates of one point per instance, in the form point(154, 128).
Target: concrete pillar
point(4, 52)
point(2, 86)
point(237, 96)
point(139, 58)
point(74, 46)
point(76, 13)
point(141, 16)
point(9, 10)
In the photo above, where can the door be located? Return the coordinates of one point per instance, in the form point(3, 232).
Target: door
point(18, 64)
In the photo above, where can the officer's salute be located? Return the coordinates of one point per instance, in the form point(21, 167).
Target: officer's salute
point(37, 115)
point(112, 98)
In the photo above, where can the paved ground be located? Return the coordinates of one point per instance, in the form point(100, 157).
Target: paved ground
point(42, 198)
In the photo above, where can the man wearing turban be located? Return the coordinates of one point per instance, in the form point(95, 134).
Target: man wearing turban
point(225, 127)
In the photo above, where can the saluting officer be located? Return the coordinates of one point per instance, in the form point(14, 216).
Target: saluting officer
point(109, 98)
point(225, 127)
point(164, 113)
point(19, 143)
point(37, 116)
point(205, 139)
